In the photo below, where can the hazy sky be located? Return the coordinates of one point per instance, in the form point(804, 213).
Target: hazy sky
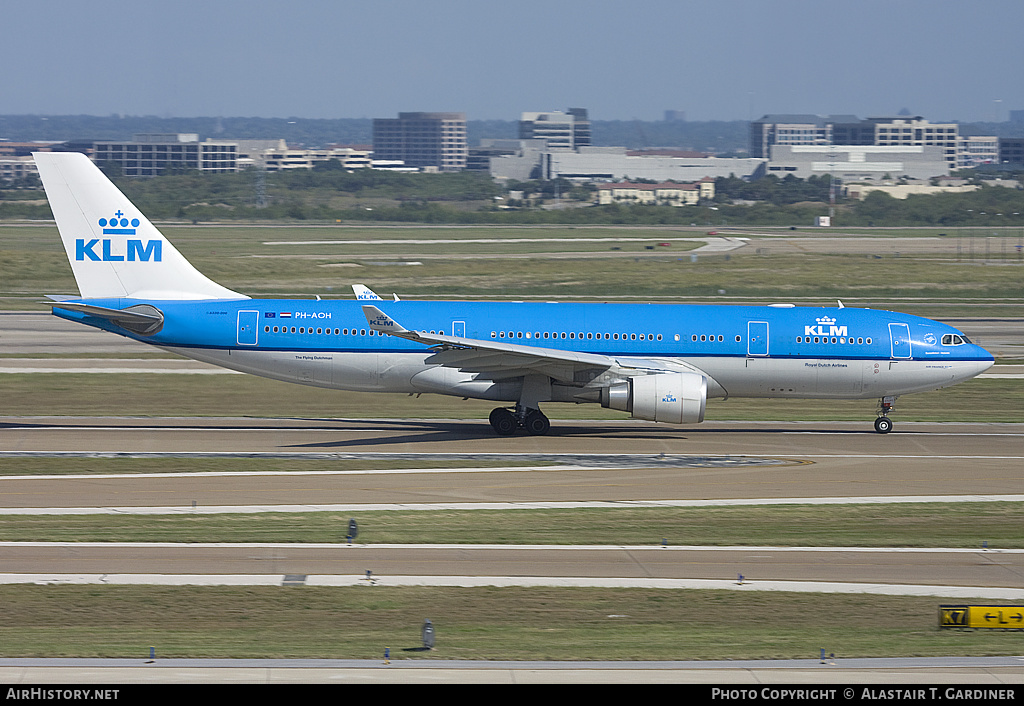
point(714, 59)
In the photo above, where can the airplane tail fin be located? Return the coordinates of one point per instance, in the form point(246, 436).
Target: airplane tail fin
point(114, 251)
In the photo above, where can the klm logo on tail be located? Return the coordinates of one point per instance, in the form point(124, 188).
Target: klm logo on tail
point(134, 250)
point(151, 250)
point(118, 225)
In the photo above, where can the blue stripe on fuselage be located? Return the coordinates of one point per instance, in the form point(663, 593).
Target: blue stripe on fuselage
point(667, 330)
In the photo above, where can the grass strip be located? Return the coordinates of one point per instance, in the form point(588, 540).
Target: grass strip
point(947, 525)
point(478, 624)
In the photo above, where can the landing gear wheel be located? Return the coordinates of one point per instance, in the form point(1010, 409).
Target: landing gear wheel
point(883, 425)
point(503, 421)
point(536, 423)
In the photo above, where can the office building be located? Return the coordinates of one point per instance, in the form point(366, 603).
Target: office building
point(150, 154)
point(563, 131)
point(858, 162)
point(614, 164)
point(423, 140)
point(1011, 150)
point(976, 150)
point(885, 131)
point(666, 193)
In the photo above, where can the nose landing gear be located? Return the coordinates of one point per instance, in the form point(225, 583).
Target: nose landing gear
point(883, 425)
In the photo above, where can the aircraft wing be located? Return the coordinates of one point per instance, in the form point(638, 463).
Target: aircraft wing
point(501, 359)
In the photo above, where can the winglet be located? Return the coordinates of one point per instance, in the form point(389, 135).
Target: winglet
point(364, 293)
point(381, 322)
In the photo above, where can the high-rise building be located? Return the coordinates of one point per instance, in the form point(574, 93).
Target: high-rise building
point(567, 130)
point(428, 140)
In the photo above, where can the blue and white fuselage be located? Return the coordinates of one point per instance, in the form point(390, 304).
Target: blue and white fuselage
point(657, 361)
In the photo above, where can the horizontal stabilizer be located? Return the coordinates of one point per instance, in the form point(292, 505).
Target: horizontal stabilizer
point(143, 318)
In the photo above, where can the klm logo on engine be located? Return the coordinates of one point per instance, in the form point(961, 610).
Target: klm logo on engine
point(108, 250)
point(826, 327)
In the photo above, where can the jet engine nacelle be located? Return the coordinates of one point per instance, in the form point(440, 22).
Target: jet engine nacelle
point(676, 398)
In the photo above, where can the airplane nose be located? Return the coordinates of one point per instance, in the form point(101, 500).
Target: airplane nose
point(983, 362)
point(984, 365)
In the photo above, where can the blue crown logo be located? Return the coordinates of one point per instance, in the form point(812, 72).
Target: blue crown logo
point(119, 225)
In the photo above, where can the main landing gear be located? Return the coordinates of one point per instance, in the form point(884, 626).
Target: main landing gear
point(883, 425)
point(506, 421)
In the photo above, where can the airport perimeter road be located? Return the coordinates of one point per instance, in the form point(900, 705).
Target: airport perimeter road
point(769, 459)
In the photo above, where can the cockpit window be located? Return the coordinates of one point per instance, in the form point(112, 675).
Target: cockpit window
point(952, 339)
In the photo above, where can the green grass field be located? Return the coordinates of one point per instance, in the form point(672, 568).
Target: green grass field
point(944, 525)
point(269, 261)
point(476, 624)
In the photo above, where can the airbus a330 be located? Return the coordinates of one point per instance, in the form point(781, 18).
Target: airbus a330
point(658, 362)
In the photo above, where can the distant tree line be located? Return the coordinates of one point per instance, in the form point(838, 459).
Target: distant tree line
point(330, 193)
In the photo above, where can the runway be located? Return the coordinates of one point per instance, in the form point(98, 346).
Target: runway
point(614, 463)
point(597, 462)
point(809, 460)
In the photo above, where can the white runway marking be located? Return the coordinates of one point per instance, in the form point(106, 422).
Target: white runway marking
point(219, 474)
point(530, 581)
point(553, 505)
point(514, 547)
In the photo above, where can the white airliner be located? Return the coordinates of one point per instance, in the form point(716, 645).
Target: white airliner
point(659, 362)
